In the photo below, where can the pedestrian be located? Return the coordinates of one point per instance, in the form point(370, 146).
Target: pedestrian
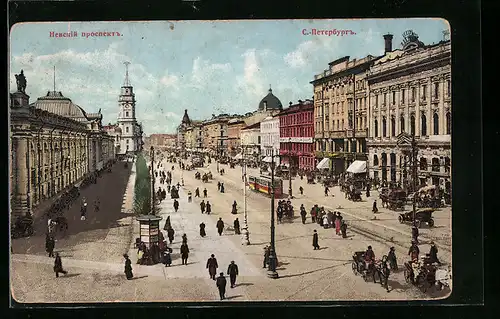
point(414, 251)
point(83, 211)
point(197, 192)
point(414, 234)
point(338, 221)
point(236, 226)
point(315, 240)
point(58, 268)
point(218, 186)
point(184, 239)
point(303, 213)
point(326, 190)
point(222, 187)
point(221, 285)
point(343, 229)
point(202, 206)
point(128, 267)
point(220, 226)
point(374, 208)
point(184, 253)
point(176, 205)
point(49, 245)
point(97, 203)
point(433, 254)
point(301, 190)
point(208, 208)
point(202, 230)
point(170, 234)
point(205, 193)
point(325, 222)
point(232, 271)
point(266, 257)
point(212, 266)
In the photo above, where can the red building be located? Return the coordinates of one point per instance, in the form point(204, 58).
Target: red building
point(296, 135)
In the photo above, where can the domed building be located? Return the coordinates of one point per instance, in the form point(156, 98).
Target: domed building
point(270, 102)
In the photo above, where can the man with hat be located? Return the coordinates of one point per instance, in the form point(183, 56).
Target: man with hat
point(212, 266)
point(266, 257)
point(221, 285)
point(128, 267)
point(232, 271)
point(433, 254)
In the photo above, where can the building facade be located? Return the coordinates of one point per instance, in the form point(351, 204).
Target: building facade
point(250, 141)
point(215, 134)
point(270, 136)
point(410, 91)
point(234, 128)
point(182, 129)
point(131, 131)
point(54, 144)
point(296, 125)
point(164, 142)
point(193, 136)
point(340, 112)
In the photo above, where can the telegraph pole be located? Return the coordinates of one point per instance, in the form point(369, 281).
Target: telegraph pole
point(414, 175)
point(152, 155)
point(272, 251)
point(245, 240)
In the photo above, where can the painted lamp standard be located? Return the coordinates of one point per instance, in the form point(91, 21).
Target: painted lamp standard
point(289, 167)
point(152, 155)
point(271, 273)
point(409, 145)
point(245, 239)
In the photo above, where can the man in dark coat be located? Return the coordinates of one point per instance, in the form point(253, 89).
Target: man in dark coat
point(220, 226)
point(197, 192)
point(303, 213)
point(218, 186)
point(184, 254)
point(184, 239)
point(236, 226)
point(301, 190)
point(222, 187)
point(163, 194)
point(176, 205)
point(49, 245)
point(128, 267)
point(315, 240)
point(58, 268)
point(170, 234)
point(433, 254)
point(414, 234)
point(212, 266)
point(414, 251)
point(202, 230)
point(202, 206)
point(205, 193)
point(208, 208)
point(221, 285)
point(232, 271)
point(343, 229)
point(266, 257)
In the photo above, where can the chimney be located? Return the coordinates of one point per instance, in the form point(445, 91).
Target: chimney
point(388, 42)
point(290, 104)
point(300, 102)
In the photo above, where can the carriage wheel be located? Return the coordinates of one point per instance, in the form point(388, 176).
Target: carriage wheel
point(407, 274)
point(400, 218)
point(431, 222)
point(354, 267)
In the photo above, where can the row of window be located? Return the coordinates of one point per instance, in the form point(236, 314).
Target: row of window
point(423, 125)
point(436, 162)
point(298, 147)
point(413, 96)
point(299, 118)
point(304, 131)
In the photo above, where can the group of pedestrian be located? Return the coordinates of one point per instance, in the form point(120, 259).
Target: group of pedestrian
point(221, 282)
point(161, 194)
point(285, 208)
point(205, 207)
point(220, 187)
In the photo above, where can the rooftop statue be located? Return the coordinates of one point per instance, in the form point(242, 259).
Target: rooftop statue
point(21, 82)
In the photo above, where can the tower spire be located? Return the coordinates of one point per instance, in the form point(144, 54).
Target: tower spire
point(127, 81)
point(270, 90)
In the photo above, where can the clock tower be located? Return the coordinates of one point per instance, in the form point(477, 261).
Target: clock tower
point(131, 137)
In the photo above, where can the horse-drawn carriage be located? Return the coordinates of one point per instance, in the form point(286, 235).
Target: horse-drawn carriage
point(421, 216)
point(425, 274)
point(354, 194)
point(394, 199)
point(379, 269)
point(429, 196)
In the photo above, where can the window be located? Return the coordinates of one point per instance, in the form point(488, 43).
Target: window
point(393, 97)
point(126, 130)
point(384, 127)
point(393, 126)
point(448, 123)
point(338, 125)
point(343, 124)
point(436, 90)
point(375, 127)
point(423, 164)
point(126, 114)
point(423, 126)
point(435, 164)
point(128, 141)
point(412, 125)
point(376, 100)
point(424, 91)
point(375, 160)
point(435, 119)
point(403, 91)
point(402, 123)
point(448, 85)
point(413, 94)
point(385, 98)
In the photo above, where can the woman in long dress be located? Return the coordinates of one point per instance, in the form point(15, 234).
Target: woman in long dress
point(337, 226)
point(128, 267)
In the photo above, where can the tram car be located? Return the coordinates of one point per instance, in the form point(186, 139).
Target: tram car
point(262, 184)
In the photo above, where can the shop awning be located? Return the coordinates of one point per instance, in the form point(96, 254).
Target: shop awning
point(357, 167)
point(325, 163)
point(238, 157)
point(267, 159)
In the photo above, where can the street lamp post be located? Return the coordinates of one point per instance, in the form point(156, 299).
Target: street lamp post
point(272, 251)
point(290, 168)
point(152, 155)
point(245, 240)
point(414, 173)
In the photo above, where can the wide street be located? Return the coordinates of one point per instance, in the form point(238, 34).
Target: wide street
point(304, 274)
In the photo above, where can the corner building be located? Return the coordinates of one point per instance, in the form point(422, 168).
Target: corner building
point(410, 91)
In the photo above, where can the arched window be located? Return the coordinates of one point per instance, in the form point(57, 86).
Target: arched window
point(412, 124)
point(423, 126)
point(435, 119)
point(448, 123)
point(393, 126)
point(402, 123)
point(375, 160)
point(384, 127)
point(435, 164)
point(375, 126)
point(343, 124)
point(423, 164)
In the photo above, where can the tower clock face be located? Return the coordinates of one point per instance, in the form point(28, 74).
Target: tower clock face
point(127, 106)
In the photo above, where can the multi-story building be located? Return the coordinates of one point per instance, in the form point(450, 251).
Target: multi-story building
point(296, 125)
point(270, 136)
point(193, 137)
point(340, 112)
point(164, 142)
point(54, 144)
point(410, 91)
point(215, 134)
point(131, 131)
point(234, 127)
point(181, 130)
point(250, 141)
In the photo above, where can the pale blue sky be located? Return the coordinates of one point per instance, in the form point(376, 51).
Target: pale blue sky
point(205, 67)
